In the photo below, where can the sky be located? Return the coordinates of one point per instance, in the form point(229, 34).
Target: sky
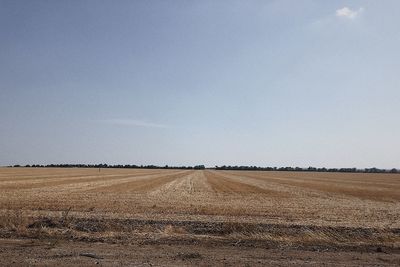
point(267, 83)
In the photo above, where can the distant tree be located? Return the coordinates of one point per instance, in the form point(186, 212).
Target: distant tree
point(199, 167)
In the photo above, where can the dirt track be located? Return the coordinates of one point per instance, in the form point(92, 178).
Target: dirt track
point(48, 253)
point(351, 217)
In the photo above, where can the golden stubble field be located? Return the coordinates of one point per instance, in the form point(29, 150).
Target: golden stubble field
point(297, 210)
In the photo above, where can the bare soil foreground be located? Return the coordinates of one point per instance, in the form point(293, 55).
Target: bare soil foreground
point(72, 216)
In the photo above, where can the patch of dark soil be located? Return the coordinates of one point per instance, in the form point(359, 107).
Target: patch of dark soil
point(187, 256)
point(45, 222)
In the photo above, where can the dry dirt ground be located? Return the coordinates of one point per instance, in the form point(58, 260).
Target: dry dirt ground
point(59, 216)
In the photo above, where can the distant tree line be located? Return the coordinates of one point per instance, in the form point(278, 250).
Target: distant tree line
point(309, 169)
point(202, 167)
point(119, 166)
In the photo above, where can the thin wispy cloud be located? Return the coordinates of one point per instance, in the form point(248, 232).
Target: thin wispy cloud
point(133, 122)
point(348, 13)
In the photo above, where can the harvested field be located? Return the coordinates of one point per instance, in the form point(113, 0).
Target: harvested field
point(352, 217)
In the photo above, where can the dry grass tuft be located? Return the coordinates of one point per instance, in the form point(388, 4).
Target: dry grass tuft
point(15, 221)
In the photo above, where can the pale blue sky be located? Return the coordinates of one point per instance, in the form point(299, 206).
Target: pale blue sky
point(268, 83)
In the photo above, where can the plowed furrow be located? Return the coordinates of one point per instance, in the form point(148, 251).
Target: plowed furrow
point(141, 185)
point(377, 194)
point(222, 184)
point(64, 182)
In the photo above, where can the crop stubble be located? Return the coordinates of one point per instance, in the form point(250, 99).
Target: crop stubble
point(283, 207)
